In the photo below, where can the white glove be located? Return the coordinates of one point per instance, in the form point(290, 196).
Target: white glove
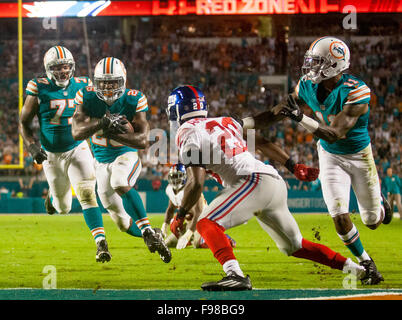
point(165, 229)
point(184, 239)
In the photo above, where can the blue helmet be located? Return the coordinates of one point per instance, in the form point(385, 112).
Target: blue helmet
point(177, 176)
point(186, 102)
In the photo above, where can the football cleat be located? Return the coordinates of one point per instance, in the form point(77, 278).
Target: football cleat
point(372, 275)
point(154, 240)
point(387, 210)
point(48, 205)
point(102, 252)
point(232, 282)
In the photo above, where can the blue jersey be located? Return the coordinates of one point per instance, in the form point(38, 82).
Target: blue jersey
point(348, 91)
point(132, 101)
point(56, 108)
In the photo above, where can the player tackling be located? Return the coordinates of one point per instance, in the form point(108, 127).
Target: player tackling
point(251, 188)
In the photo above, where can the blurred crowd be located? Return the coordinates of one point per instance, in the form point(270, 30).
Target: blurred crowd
point(230, 75)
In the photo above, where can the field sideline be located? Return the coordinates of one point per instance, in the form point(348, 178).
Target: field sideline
point(32, 242)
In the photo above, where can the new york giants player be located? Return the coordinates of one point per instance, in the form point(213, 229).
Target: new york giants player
point(65, 161)
point(177, 178)
point(251, 188)
point(340, 102)
point(105, 113)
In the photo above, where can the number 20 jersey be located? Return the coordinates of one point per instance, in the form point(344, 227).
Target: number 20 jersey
point(56, 108)
point(220, 147)
point(349, 90)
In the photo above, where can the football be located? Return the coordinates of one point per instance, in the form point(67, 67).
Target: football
point(129, 127)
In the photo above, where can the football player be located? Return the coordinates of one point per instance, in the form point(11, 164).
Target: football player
point(340, 103)
point(114, 119)
point(177, 179)
point(251, 188)
point(66, 162)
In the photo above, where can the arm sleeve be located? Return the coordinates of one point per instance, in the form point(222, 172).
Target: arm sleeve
point(32, 88)
point(79, 99)
point(142, 104)
point(360, 95)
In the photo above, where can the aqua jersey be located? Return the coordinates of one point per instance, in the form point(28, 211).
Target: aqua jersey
point(348, 90)
point(56, 108)
point(132, 101)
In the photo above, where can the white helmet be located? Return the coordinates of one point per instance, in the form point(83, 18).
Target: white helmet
point(110, 71)
point(58, 55)
point(326, 58)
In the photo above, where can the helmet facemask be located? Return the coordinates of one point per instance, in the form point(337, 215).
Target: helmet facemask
point(109, 88)
point(56, 71)
point(176, 179)
point(316, 68)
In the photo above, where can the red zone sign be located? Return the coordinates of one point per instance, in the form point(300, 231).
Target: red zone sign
point(193, 7)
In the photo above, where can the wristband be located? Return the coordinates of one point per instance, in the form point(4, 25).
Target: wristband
point(309, 124)
point(182, 213)
point(248, 123)
point(290, 165)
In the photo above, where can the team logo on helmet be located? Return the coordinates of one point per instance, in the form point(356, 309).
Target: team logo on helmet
point(337, 50)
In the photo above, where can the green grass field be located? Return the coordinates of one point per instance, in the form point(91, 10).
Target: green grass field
point(31, 242)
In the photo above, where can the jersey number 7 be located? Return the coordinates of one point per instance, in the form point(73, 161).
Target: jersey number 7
point(60, 105)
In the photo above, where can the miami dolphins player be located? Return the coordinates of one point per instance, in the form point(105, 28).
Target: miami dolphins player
point(340, 102)
point(65, 161)
point(114, 120)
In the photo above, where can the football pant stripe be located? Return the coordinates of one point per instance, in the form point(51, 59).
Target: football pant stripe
point(254, 183)
point(228, 198)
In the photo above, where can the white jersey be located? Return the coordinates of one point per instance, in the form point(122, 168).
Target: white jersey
point(175, 198)
point(218, 145)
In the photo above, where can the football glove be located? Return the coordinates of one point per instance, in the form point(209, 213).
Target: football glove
point(38, 154)
point(177, 225)
point(184, 240)
point(165, 229)
point(292, 109)
point(301, 171)
point(305, 173)
point(113, 123)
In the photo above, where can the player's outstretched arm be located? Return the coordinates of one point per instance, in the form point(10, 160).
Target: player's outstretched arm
point(138, 139)
point(276, 153)
point(339, 127)
point(84, 126)
point(264, 119)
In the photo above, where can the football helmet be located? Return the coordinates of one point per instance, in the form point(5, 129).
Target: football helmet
point(110, 79)
point(59, 55)
point(186, 102)
point(177, 176)
point(326, 58)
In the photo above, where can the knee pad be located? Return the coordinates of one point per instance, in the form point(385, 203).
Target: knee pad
point(86, 194)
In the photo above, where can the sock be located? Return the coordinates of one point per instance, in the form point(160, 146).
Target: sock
point(216, 240)
point(321, 254)
point(133, 205)
point(133, 230)
point(232, 266)
point(352, 241)
point(93, 219)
